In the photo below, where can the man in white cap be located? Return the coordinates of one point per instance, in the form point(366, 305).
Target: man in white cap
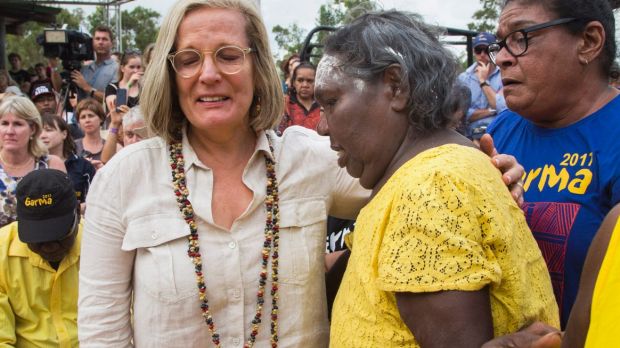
point(39, 264)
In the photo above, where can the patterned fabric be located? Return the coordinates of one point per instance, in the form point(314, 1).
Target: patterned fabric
point(435, 227)
point(80, 151)
point(605, 312)
point(8, 184)
point(572, 180)
point(295, 114)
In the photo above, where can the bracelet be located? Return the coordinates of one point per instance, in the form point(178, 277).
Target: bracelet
point(113, 130)
point(484, 83)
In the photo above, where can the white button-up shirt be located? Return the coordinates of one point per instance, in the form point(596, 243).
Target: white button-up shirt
point(135, 240)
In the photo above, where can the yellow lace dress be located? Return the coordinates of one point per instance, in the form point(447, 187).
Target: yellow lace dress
point(443, 221)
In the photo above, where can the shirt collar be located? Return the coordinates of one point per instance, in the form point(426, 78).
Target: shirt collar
point(20, 249)
point(262, 146)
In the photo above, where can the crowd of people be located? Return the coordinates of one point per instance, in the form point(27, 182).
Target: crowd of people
point(377, 198)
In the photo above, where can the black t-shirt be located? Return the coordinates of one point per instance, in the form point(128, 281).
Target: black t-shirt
point(20, 76)
point(111, 90)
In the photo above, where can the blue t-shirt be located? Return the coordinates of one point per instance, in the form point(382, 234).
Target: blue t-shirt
point(572, 179)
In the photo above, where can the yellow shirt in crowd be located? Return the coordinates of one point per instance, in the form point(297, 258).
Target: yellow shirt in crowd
point(38, 305)
point(605, 312)
point(443, 221)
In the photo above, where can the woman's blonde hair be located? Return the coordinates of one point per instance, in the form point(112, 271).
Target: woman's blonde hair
point(23, 108)
point(159, 98)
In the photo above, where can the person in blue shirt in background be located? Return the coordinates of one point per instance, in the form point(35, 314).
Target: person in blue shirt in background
point(485, 83)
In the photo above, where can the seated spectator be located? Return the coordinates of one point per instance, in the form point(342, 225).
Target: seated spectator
point(90, 116)
point(567, 142)
point(39, 264)
point(439, 257)
point(19, 75)
point(57, 137)
point(44, 98)
point(132, 130)
point(21, 151)
point(300, 108)
point(485, 84)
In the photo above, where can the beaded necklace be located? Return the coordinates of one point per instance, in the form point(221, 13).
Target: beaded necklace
point(270, 246)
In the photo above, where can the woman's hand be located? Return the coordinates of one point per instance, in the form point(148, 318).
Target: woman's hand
point(134, 79)
point(537, 335)
point(116, 115)
point(512, 171)
point(110, 101)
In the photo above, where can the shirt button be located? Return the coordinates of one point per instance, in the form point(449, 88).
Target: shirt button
point(232, 245)
point(154, 235)
point(236, 341)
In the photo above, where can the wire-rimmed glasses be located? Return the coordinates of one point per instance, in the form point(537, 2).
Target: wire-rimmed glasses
point(228, 59)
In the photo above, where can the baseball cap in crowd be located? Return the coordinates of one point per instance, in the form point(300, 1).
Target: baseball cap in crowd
point(484, 38)
point(40, 88)
point(46, 206)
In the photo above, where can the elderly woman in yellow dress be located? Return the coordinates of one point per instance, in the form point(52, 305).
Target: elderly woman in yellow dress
point(440, 257)
point(215, 225)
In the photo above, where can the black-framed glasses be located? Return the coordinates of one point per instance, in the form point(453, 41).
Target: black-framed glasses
point(228, 59)
point(516, 42)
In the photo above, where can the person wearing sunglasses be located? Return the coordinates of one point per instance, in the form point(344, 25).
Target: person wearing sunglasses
point(563, 125)
point(39, 264)
point(484, 81)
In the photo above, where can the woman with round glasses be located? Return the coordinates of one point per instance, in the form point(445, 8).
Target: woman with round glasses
point(564, 125)
point(212, 233)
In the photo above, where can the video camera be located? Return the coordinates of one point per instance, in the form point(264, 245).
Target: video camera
point(71, 46)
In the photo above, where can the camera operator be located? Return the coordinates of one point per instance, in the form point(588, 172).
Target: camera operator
point(93, 78)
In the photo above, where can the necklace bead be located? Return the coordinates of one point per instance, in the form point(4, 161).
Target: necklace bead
point(270, 246)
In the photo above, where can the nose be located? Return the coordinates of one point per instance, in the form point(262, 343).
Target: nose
point(209, 72)
point(504, 59)
point(322, 128)
point(50, 247)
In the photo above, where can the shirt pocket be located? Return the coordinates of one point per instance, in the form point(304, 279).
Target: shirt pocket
point(161, 263)
point(302, 239)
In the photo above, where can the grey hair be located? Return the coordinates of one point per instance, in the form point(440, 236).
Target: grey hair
point(374, 41)
point(134, 115)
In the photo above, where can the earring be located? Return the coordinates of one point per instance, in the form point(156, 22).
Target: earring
point(257, 106)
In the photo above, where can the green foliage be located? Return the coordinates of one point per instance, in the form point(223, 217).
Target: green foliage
point(334, 13)
point(139, 26)
point(486, 18)
point(289, 39)
point(26, 44)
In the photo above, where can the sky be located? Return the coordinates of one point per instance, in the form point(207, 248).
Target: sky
point(447, 13)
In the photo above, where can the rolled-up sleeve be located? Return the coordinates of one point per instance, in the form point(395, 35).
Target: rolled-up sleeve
point(105, 270)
